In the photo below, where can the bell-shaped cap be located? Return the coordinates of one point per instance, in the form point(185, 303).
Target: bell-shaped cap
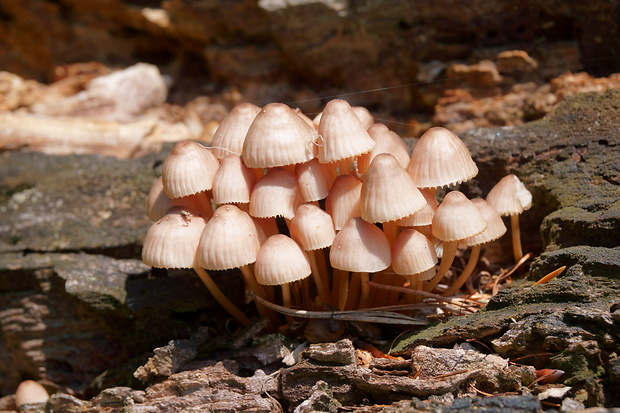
point(312, 227)
point(509, 196)
point(439, 158)
point(364, 116)
point(188, 169)
point(387, 142)
point(424, 216)
point(233, 182)
point(281, 260)
point(457, 218)
point(278, 137)
point(344, 135)
point(30, 392)
point(274, 195)
point(230, 135)
point(343, 200)
point(157, 203)
point(388, 193)
point(412, 253)
point(172, 242)
point(360, 247)
point(495, 225)
point(313, 180)
point(228, 240)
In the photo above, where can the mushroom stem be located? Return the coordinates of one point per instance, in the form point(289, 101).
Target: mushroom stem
point(391, 231)
point(355, 290)
point(318, 279)
point(204, 204)
point(364, 278)
point(220, 297)
point(467, 271)
point(341, 287)
point(250, 279)
point(449, 251)
point(516, 237)
point(286, 300)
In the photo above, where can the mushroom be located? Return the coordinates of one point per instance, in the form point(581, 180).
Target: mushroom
point(439, 158)
point(230, 240)
point(359, 247)
point(230, 135)
point(313, 180)
point(344, 135)
point(387, 142)
point(413, 256)
point(190, 169)
point(313, 229)
point(157, 203)
point(343, 200)
point(495, 229)
point(281, 261)
point(275, 194)
point(30, 392)
point(233, 182)
point(388, 194)
point(510, 197)
point(172, 242)
point(278, 137)
point(456, 218)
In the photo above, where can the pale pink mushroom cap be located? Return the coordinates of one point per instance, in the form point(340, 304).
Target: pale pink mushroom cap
point(157, 203)
point(230, 135)
point(233, 182)
point(188, 169)
point(343, 200)
point(440, 158)
point(388, 193)
point(413, 253)
point(172, 242)
point(387, 142)
point(457, 218)
point(228, 240)
point(312, 227)
point(424, 216)
point(278, 137)
point(275, 194)
point(30, 392)
point(344, 135)
point(313, 180)
point(360, 247)
point(509, 196)
point(364, 116)
point(495, 225)
point(281, 260)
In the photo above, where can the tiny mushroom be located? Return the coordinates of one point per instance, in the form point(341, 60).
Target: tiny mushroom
point(360, 247)
point(30, 392)
point(439, 158)
point(455, 219)
point(230, 135)
point(495, 229)
point(172, 242)
point(313, 229)
point(281, 261)
point(510, 197)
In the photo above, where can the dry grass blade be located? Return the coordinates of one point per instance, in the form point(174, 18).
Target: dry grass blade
point(507, 274)
point(551, 275)
point(366, 315)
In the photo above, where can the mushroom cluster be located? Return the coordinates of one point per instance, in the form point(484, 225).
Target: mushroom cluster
point(310, 210)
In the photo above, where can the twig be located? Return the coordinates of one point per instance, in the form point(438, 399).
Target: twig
point(509, 273)
point(366, 315)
